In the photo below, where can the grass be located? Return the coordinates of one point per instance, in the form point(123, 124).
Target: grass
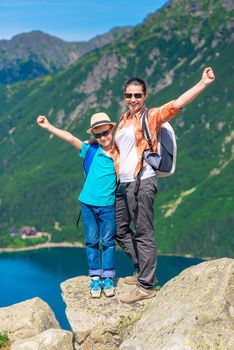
point(4, 341)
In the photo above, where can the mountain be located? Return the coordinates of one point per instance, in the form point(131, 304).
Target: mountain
point(40, 176)
point(35, 54)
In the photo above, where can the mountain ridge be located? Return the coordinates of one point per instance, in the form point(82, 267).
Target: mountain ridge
point(35, 54)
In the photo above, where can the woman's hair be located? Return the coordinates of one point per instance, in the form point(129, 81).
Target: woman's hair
point(136, 81)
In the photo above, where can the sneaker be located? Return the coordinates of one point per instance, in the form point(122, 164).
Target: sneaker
point(108, 286)
point(95, 288)
point(139, 293)
point(131, 279)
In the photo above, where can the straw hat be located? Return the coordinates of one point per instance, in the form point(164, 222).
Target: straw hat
point(99, 119)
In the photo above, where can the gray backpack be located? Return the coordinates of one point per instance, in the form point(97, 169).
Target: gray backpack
point(164, 161)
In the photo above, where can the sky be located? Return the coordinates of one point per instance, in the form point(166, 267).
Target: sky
point(72, 20)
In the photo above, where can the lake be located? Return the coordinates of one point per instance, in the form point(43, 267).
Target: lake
point(38, 273)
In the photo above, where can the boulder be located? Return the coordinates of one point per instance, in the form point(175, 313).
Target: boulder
point(195, 310)
point(98, 323)
point(27, 319)
point(51, 339)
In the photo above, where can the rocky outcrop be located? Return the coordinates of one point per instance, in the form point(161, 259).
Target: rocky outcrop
point(31, 325)
point(51, 339)
point(103, 321)
point(195, 310)
point(228, 4)
point(26, 319)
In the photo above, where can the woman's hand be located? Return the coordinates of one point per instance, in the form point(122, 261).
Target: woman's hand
point(208, 76)
point(43, 122)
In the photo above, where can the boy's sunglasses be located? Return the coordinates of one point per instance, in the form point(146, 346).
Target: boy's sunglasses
point(137, 95)
point(104, 134)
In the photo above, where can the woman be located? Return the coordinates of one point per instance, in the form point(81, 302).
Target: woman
point(138, 208)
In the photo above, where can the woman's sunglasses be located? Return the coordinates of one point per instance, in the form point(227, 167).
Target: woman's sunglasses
point(104, 134)
point(137, 95)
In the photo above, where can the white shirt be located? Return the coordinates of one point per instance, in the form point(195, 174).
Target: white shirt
point(126, 141)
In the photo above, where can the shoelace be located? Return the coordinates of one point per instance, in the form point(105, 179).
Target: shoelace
point(138, 291)
point(108, 283)
point(95, 284)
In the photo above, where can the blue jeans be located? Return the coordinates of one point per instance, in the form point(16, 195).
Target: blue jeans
point(99, 226)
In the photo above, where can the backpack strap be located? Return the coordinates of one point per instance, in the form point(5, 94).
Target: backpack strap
point(86, 164)
point(145, 129)
point(146, 134)
point(89, 157)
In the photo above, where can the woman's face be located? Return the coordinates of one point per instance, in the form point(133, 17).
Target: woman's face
point(134, 98)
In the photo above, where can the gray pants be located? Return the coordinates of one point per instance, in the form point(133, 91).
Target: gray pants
point(139, 245)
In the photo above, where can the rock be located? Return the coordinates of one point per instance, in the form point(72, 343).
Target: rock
point(228, 4)
point(195, 310)
point(51, 339)
point(107, 68)
point(27, 319)
point(99, 323)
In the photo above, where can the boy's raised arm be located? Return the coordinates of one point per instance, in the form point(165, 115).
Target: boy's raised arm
point(207, 78)
point(43, 122)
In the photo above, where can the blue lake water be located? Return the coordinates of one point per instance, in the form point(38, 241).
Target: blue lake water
point(38, 273)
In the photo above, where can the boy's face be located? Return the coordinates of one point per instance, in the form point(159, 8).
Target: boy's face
point(103, 134)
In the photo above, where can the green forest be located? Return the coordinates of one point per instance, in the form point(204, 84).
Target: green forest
point(41, 176)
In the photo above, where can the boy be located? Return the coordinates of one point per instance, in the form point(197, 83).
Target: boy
point(97, 201)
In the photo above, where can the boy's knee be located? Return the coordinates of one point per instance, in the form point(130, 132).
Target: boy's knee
point(92, 243)
point(106, 243)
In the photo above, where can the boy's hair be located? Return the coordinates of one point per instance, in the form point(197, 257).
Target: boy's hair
point(136, 81)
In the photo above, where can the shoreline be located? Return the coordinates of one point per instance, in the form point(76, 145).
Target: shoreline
point(81, 245)
point(42, 246)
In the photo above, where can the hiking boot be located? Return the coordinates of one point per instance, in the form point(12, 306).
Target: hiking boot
point(108, 287)
point(95, 288)
point(134, 279)
point(139, 293)
point(131, 279)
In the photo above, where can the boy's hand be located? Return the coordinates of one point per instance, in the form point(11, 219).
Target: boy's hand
point(42, 121)
point(208, 76)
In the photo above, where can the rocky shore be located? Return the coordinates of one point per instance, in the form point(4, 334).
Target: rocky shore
point(194, 310)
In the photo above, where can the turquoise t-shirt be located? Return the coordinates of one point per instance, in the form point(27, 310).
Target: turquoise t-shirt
point(100, 184)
